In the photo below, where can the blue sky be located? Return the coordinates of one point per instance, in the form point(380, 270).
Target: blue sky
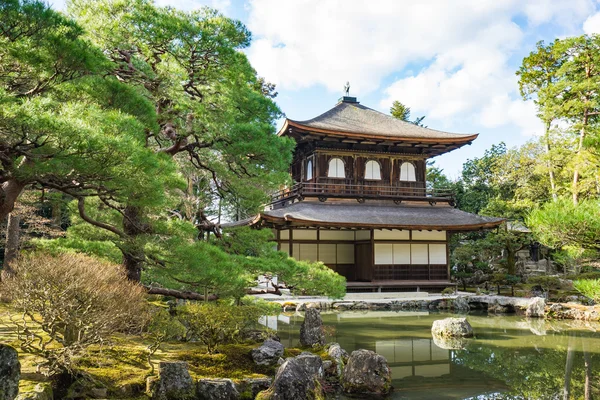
point(453, 61)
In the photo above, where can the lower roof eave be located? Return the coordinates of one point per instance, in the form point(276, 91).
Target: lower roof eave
point(291, 221)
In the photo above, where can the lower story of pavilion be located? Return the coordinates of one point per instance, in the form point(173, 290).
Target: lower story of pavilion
point(379, 246)
point(382, 259)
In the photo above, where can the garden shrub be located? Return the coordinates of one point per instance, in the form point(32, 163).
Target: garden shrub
point(585, 275)
point(218, 323)
point(68, 302)
point(589, 288)
point(546, 283)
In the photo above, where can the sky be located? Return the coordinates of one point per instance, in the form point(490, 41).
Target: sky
point(453, 61)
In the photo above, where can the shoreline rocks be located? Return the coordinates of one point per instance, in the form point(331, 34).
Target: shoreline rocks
point(530, 307)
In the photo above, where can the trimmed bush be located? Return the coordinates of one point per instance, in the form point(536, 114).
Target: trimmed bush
point(68, 302)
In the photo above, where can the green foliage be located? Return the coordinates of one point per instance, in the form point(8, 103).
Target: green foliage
point(402, 112)
point(560, 224)
point(589, 288)
point(448, 291)
point(585, 275)
point(215, 324)
point(162, 327)
point(545, 282)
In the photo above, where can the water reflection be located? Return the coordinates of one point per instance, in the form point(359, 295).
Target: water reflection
point(510, 357)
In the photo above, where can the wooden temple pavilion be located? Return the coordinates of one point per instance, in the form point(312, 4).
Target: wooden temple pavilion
point(361, 204)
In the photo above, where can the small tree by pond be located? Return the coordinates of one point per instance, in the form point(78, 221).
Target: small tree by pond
point(68, 302)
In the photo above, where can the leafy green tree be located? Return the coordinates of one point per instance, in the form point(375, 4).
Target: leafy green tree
point(536, 74)
point(575, 96)
point(562, 77)
point(561, 224)
point(213, 114)
point(60, 115)
point(401, 111)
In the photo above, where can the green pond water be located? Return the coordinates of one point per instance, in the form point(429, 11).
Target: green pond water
point(510, 358)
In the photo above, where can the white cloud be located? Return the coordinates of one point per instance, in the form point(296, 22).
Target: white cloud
point(592, 24)
point(460, 50)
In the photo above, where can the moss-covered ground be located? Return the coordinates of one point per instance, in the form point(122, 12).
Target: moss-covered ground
point(122, 365)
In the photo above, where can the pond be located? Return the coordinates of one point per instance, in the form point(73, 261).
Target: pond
point(511, 357)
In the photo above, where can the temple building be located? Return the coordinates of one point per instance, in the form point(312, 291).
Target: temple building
point(361, 203)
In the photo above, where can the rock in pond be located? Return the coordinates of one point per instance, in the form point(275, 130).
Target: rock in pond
point(450, 343)
point(216, 389)
point(535, 308)
point(367, 373)
point(173, 383)
point(296, 379)
point(10, 373)
point(311, 330)
point(268, 353)
point(452, 327)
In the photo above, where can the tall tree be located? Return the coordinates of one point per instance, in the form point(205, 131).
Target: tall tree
point(576, 88)
point(65, 123)
point(213, 113)
point(537, 74)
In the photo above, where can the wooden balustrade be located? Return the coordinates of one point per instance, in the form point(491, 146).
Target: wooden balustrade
point(324, 188)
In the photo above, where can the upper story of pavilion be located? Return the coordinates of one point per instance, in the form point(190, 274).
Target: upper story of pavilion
point(354, 152)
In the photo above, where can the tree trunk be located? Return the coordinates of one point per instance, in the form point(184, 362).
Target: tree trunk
point(9, 193)
point(11, 251)
point(548, 162)
point(133, 255)
point(576, 172)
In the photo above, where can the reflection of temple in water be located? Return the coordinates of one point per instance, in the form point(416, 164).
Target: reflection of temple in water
point(420, 369)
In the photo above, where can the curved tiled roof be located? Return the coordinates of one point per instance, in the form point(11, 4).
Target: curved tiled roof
point(366, 215)
point(374, 215)
point(354, 118)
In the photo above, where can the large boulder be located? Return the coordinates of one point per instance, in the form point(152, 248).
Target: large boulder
point(268, 353)
point(10, 373)
point(173, 383)
point(452, 327)
point(535, 308)
point(367, 373)
point(296, 379)
point(311, 330)
point(216, 389)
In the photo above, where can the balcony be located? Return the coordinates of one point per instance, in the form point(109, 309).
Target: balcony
point(327, 188)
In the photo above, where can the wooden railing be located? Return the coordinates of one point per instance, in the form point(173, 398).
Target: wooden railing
point(340, 188)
